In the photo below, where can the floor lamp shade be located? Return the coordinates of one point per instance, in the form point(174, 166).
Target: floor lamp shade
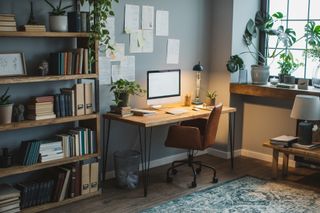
point(306, 108)
point(198, 68)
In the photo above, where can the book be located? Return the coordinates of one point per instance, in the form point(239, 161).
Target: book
point(7, 23)
point(8, 192)
point(94, 174)
point(41, 117)
point(284, 138)
point(41, 99)
point(60, 177)
point(88, 98)
point(10, 206)
point(8, 28)
point(65, 183)
point(314, 145)
point(79, 94)
point(85, 179)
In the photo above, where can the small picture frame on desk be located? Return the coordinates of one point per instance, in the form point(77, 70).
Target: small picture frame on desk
point(12, 64)
point(303, 84)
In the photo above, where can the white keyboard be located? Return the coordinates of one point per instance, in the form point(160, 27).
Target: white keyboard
point(176, 111)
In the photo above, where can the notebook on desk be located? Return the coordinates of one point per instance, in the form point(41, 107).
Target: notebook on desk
point(142, 112)
point(176, 111)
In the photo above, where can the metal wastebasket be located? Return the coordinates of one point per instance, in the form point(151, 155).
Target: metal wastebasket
point(126, 165)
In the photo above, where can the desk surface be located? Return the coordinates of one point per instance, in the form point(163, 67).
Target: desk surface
point(162, 118)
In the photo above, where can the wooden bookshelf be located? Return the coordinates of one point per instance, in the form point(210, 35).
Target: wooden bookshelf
point(46, 34)
point(14, 170)
point(57, 204)
point(35, 79)
point(32, 123)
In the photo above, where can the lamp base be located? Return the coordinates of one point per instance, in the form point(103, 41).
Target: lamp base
point(197, 101)
point(305, 133)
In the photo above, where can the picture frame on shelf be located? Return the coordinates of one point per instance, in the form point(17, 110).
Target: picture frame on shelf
point(12, 64)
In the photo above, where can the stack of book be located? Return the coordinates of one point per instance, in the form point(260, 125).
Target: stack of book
point(29, 152)
point(51, 150)
point(78, 142)
point(8, 22)
point(70, 62)
point(40, 108)
point(33, 28)
point(35, 192)
point(121, 111)
point(283, 140)
point(9, 199)
point(313, 145)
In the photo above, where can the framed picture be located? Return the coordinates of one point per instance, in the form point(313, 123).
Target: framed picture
point(303, 84)
point(12, 64)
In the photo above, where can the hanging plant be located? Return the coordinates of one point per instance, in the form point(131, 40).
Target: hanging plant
point(102, 9)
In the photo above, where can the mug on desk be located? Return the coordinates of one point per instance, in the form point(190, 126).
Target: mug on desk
point(187, 100)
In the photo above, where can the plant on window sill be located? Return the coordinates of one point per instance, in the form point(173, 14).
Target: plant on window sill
point(287, 65)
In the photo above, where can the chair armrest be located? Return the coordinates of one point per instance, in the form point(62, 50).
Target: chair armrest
point(185, 137)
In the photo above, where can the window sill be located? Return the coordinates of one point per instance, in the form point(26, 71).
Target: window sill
point(270, 91)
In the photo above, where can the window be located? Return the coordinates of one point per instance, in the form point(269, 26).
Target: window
point(296, 15)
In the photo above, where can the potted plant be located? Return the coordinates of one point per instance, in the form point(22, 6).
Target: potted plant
point(5, 108)
point(263, 23)
point(287, 65)
point(211, 95)
point(58, 21)
point(122, 89)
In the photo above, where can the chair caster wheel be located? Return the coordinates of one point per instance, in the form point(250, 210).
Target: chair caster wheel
point(215, 180)
point(169, 179)
point(193, 184)
point(174, 171)
point(198, 170)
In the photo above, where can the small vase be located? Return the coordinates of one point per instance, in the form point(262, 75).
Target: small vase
point(259, 74)
point(212, 102)
point(242, 76)
point(58, 23)
point(5, 113)
point(316, 77)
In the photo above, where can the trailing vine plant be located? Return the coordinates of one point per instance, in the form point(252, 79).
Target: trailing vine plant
point(102, 9)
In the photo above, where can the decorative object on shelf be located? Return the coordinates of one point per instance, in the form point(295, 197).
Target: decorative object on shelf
point(12, 64)
point(274, 81)
point(43, 68)
point(303, 84)
point(5, 108)
point(287, 37)
point(18, 113)
point(198, 68)
point(122, 89)
point(31, 20)
point(6, 160)
point(306, 108)
point(212, 95)
point(8, 22)
point(243, 76)
point(57, 19)
point(287, 65)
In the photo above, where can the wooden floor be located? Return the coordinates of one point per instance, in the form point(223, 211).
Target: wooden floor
point(115, 200)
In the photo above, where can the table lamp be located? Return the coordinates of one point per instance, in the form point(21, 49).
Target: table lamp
point(306, 108)
point(198, 68)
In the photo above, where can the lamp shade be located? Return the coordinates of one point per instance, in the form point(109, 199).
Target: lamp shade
point(306, 107)
point(198, 67)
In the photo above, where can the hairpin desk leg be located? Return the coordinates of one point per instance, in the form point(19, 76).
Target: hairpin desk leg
point(232, 120)
point(105, 147)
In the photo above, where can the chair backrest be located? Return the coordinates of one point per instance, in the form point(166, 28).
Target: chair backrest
point(212, 126)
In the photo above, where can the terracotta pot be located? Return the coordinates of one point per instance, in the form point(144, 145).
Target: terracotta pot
point(58, 23)
point(5, 113)
point(260, 74)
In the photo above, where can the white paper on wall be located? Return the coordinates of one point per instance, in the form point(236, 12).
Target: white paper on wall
point(147, 17)
point(110, 26)
point(104, 71)
point(128, 68)
point(147, 36)
point(162, 23)
point(173, 51)
point(118, 53)
point(116, 74)
point(136, 42)
point(132, 18)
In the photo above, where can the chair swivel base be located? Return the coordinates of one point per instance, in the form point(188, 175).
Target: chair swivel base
point(191, 163)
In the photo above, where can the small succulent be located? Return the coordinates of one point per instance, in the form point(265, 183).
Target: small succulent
point(4, 99)
point(59, 10)
point(212, 95)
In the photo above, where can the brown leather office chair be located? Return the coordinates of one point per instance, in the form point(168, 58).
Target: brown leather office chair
point(197, 134)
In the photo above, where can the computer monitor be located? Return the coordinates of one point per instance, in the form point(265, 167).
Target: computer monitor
point(163, 87)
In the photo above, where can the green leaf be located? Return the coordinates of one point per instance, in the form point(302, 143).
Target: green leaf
point(234, 64)
point(277, 15)
point(251, 28)
point(263, 21)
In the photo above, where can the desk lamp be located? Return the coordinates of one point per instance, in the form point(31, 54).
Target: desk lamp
point(306, 108)
point(198, 68)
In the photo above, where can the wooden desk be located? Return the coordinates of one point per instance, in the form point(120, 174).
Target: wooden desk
point(313, 154)
point(145, 123)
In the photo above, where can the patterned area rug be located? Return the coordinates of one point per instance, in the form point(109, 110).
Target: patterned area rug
point(247, 194)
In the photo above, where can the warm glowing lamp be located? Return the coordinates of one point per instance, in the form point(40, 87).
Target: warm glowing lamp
point(198, 68)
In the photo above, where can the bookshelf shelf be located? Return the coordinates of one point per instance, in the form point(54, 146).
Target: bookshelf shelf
point(57, 204)
point(32, 123)
point(46, 34)
point(14, 170)
point(35, 79)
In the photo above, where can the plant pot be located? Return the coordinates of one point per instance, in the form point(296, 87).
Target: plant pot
point(124, 97)
point(281, 78)
point(58, 23)
point(5, 113)
point(259, 74)
point(212, 102)
point(288, 79)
